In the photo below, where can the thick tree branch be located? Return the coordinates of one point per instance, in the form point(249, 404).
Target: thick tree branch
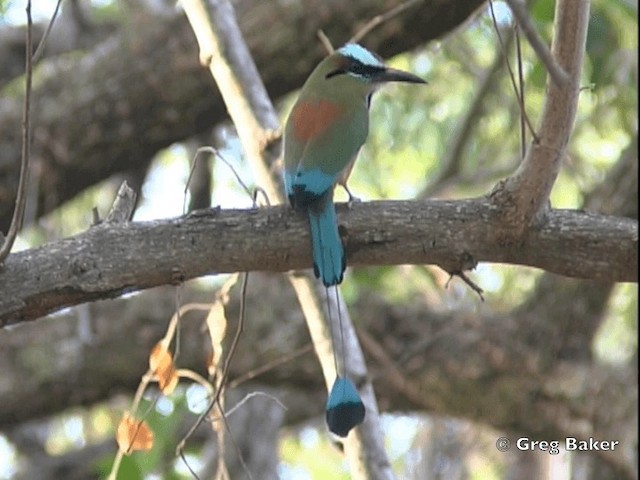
point(568, 312)
point(107, 261)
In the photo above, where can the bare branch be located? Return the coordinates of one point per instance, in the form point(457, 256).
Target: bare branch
point(107, 261)
point(521, 98)
point(21, 192)
point(326, 43)
point(524, 196)
point(470, 283)
point(224, 51)
point(43, 41)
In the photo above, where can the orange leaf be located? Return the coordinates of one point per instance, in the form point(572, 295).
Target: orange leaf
point(133, 435)
point(210, 363)
point(217, 325)
point(164, 371)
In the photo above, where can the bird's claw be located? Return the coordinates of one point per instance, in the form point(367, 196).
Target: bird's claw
point(352, 200)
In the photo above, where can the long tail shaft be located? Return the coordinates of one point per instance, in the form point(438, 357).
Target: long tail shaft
point(344, 408)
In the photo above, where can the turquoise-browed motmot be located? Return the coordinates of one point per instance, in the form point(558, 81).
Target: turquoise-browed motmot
point(323, 134)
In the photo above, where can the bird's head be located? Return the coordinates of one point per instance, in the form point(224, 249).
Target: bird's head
point(364, 66)
point(352, 69)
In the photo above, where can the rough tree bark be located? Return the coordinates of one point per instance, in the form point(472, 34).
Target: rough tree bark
point(107, 261)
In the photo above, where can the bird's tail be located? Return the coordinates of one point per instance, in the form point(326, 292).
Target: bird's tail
point(344, 408)
point(328, 254)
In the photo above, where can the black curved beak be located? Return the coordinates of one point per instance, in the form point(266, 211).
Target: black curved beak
point(393, 75)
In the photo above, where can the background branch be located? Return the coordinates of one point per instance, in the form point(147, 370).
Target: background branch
point(448, 358)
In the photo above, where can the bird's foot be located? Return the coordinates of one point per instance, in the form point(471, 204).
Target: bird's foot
point(352, 198)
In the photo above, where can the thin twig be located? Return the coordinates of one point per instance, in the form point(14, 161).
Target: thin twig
point(260, 191)
point(521, 97)
point(249, 396)
point(250, 375)
point(326, 43)
point(523, 113)
point(43, 40)
point(177, 303)
point(558, 75)
point(183, 457)
point(225, 370)
point(148, 377)
point(380, 19)
point(473, 285)
point(239, 454)
point(214, 151)
point(21, 195)
point(221, 385)
point(142, 386)
point(18, 212)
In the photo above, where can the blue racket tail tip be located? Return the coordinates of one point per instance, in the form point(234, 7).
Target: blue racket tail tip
point(344, 409)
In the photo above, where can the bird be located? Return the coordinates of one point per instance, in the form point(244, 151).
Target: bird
point(323, 134)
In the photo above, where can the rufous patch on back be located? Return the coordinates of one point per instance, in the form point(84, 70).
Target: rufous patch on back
point(311, 118)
